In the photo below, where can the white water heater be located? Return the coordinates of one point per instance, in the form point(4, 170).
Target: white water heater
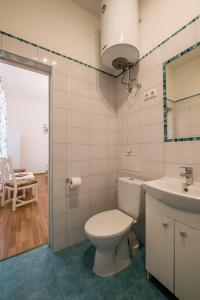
point(119, 33)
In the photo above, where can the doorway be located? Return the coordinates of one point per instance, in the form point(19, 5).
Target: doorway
point(26, 92)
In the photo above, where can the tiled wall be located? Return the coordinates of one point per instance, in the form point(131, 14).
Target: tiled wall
point(84, 126)
point(83, 141)
point(93, 121)
point(140, 123)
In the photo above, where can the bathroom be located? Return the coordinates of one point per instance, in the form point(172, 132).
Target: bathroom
point(101, 130)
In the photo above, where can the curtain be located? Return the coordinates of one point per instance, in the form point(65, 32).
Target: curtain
point(3, 122)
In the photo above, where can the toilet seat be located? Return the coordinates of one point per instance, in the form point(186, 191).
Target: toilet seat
point(108, 224)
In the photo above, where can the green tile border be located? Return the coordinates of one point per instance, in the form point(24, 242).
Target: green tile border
point(165, 96)
point(164, 41)
point(87, 65)
point(54, 52)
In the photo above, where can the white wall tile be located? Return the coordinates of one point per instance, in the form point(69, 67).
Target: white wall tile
point(152, 152)
point(59, 99)
point(134, 119)
point(78, 71)
point(77, 218)
point(98, 92)
point(78, 202)
point(76, 235)
point(59, 170)
point(112, 137)
point(98, 166)
point(112, 123)
point(112, 165)
point(61, 241)
point(152, 115)
point(152, 170)
point(59, 117)
point(112, 151)
point(98, 197)
point(133, 136)
point(78, 119)
point(60, 224)
point(78, 86)
point(59, 206)
point(78, 168)
point(78, 152)
point(98, 152)
point(152, 78)
point(99, 122)
point(152, 133)
point(78, 102)
point(78, 136)
point(59, 188)
point(59, 152)
point(99, 107)
point(99, 182)
point(151, 61)
point(59, 81)
point(59, 134)
point(98, 137)
point(183, 152)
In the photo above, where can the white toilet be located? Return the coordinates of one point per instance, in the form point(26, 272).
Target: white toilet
point(108, 231)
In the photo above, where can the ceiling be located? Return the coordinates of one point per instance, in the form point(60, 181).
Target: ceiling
point(93, 6)
point(21, 83)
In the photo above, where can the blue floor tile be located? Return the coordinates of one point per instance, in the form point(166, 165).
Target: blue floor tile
point(68, 275)
point(51, 292)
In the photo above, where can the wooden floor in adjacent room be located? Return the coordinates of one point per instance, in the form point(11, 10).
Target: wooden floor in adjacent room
point(27, 227)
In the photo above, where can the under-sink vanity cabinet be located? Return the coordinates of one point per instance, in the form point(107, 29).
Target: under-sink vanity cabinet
point(160, 247)
point(173, 248)
point(187, 262)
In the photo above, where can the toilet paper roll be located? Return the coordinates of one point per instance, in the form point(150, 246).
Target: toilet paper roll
point(75, 182)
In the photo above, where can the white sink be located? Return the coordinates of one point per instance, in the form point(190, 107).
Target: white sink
point(172, 192)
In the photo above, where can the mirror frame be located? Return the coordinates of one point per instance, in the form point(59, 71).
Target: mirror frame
point(165, 97)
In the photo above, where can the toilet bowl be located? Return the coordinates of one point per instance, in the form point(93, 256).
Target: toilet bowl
point(108, 231)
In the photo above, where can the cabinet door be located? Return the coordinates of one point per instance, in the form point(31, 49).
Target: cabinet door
point(160, 248)
point(187, 262)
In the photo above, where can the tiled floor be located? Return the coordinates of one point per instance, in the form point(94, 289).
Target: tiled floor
point(41, 275)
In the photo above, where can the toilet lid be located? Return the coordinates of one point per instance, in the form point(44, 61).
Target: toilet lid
point(108, 223)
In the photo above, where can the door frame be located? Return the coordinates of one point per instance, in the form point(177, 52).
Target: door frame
point(35, 66)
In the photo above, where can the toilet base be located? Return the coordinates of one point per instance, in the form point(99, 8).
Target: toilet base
point(112, 261)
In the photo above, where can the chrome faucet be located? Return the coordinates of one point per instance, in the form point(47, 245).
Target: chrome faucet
point(188, 174)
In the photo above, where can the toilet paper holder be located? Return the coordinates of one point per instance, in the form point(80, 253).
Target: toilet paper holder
point(73, 182)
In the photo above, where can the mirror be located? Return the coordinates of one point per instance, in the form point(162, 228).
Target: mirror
point(181, 82)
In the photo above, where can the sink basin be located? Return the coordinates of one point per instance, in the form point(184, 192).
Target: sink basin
point(173, 192)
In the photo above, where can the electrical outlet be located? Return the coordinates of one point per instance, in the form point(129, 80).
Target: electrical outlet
point(150, 94)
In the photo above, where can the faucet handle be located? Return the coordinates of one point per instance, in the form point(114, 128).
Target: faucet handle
point(188, 170)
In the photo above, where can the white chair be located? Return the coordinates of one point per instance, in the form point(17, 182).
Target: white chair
point(13, 185)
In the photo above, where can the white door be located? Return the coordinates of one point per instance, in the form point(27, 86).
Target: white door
point(187, 262)
point(160, 248)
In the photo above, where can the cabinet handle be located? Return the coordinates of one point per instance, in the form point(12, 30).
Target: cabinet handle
point(165, 224)
point(183, 233)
